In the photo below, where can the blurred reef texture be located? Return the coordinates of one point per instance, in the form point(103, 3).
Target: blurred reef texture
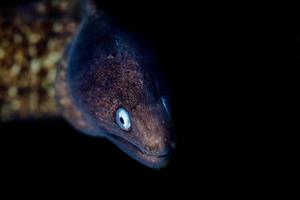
point(33, 39)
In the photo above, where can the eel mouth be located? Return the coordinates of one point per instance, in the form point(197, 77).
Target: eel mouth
point(136, 147)
point(150, 159)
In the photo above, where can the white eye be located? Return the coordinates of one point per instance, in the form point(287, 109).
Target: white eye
point(165, 103)
point(123, 119)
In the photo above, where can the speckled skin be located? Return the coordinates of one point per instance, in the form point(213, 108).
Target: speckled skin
point(103, 69)
point(118, 70)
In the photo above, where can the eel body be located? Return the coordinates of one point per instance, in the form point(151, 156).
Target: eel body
point(102, 79)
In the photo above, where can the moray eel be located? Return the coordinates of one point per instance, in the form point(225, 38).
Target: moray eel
point(108, 85)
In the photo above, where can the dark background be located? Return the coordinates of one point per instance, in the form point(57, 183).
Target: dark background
point(217, 62)
point(51, 152)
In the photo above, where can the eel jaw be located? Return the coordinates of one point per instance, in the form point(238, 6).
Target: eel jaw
point(149, 159)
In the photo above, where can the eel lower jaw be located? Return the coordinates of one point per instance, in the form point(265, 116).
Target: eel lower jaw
point(149, 159)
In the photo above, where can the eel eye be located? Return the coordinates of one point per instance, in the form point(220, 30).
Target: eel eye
point(165, 103)
point(123, 119)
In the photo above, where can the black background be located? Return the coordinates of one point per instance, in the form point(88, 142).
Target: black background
point(217, 61)
point(51, 152)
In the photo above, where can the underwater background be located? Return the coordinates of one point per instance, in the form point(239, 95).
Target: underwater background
point(48, 147)
point(211, 55)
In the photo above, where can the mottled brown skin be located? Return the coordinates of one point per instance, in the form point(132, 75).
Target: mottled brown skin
point(149, 136)
point(33, 38)
point(109, 69)
point(103, 68)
